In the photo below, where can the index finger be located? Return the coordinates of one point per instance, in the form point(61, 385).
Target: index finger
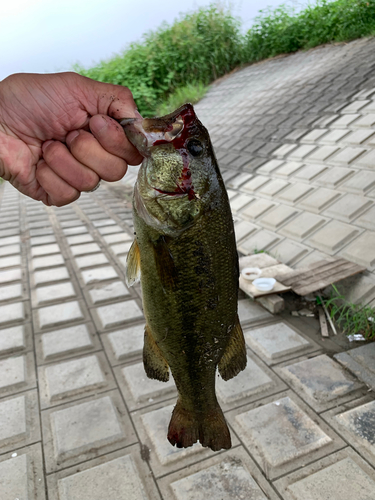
point(112, 138)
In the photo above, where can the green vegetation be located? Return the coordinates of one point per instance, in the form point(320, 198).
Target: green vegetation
point(351, 318)
point(176, 62)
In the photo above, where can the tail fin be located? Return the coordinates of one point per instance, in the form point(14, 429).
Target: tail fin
point(185, 429)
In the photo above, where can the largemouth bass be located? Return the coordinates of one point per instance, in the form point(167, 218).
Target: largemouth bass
point(184, 254)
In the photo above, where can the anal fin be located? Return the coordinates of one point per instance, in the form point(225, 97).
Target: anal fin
point(234, 358)
point(133, 265)
point(154, 363)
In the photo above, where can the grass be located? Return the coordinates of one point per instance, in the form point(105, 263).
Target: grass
point(351, 318)
point(192, 92)
point(176, 62)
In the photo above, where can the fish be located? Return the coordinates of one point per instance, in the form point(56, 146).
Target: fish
point(184, 255)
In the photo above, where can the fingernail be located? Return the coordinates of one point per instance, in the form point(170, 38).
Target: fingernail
point(103, 125)
point(45, 145)
point(138, 114)
point(71, 136)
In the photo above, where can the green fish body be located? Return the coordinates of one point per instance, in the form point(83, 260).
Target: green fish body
point(184, 254)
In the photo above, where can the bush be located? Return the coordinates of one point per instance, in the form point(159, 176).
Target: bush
point(204, 45)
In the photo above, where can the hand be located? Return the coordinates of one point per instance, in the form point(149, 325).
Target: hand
point(56, 135)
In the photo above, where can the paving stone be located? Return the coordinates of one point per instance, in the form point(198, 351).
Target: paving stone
point(66, 312)
point(11, 313)
point(279, 433)
point(261, 260)
point(120, 478)
point(115, 314)
point(367, 219)
point(75, 230)
point(124, 344)
point(348, 207)
point(275, 342)
point(314, 136)
point(11, 292)
point(248, 311)
point(284, 150)
point(360, 183)
point(13, 420)
point(289, 252)
point(310, 172)
point(79, 239)
point(322, 154)
point(42, 240)
point(295, 192)
point(240, 202)
point(240, 179)
point(14, 478)
point(255, 183)
point(66, 341)
point(47, 262)
point(365, 121)
point(91, 260)
point(359, 136)
point(319, 200)
point(248, 384)
point(111, 291)
point(362, 251)
point(301, 152)
point(257, 209)
point(11, 240)
point(273, 187)
point(276, 218)
point(12, 340)
point(270, 166)
point(85, 249)
point(243, 229)
point(366, 161)
point(117, 238)
point(228, 478)
point(334, 136)
point(110, 229)
point(261, 240)
point(99, 274)
point(288, 169)
point(44, 277)
point(84, 430)
point(121, 248)
point(10, 275)
point(53, 293)
point(320, 381)
point(347, 155)
point(344, 121)
point(72, 378)
point(9, 250)
point(359, 428)
point(333, 236)
point(14, 260)
point(334, 177)
point(12, 372)
point(354, 106)
point(139, 390)
point(302, 226)
point(37, 251)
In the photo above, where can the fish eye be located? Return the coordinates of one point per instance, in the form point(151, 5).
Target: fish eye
point(195, 147)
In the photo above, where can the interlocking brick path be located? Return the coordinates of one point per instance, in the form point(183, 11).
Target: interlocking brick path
point(79, 420)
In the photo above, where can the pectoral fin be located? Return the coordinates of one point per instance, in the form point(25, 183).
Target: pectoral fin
point(154, 363)
point(133, 265)
point(234, 357)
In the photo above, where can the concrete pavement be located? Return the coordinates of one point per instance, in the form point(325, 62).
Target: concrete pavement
point(79, 420)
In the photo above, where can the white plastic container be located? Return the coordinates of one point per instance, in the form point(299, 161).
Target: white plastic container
point(264, 284)
point(251, 273)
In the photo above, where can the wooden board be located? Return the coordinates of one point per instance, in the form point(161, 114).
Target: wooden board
point(250, 289)
point(323, 322)
point(319, 275)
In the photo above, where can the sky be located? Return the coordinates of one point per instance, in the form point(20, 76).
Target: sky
point(41, 36)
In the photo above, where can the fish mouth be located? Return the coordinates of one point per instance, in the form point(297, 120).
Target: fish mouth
point(175, 194)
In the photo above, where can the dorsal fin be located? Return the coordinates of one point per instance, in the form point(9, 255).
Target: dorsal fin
point(133, 265)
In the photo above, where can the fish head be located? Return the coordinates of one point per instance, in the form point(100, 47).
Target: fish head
point(179, 175)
